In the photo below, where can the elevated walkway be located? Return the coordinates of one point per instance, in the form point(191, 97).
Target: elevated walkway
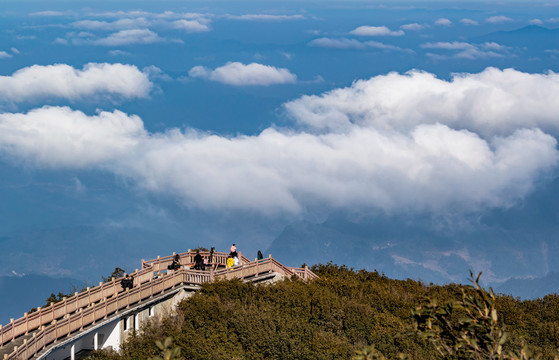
point(36, 334)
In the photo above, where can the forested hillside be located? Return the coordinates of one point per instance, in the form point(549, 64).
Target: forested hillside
point(342, 314)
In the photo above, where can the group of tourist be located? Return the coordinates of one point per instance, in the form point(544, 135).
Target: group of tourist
point(200, 263)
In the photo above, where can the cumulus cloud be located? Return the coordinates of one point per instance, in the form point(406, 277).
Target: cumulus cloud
point(344, 43)
point(375, 31)
point(51, 13)
point(118, 53)
point(5, 55)
point(413, 27)
point(59, 137)
point(239, 74)
point(120, 24)
point(396, 142)
point(491, 103)
point(265, 17)
point(469, 22)
point(64, 81)
point(150, 15)
point(535, 22)
point(129, 37)
point(464, 50)
point(499, 19)
point(190, 26)
point(443, 22)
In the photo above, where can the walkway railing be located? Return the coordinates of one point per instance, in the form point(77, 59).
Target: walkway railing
point(85, 308)
point(187, 259)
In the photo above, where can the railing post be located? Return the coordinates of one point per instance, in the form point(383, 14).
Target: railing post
point(13, 330)
point(26, 323)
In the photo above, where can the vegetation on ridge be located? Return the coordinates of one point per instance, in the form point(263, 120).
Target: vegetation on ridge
point(347, 314)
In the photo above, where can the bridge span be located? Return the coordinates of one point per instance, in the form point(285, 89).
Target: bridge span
point(103, 316)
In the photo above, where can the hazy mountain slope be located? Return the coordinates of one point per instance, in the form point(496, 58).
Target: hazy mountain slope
point(517, 242)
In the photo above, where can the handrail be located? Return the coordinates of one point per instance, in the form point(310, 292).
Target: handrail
point(187, 258)
point(87, 307)
point(101, 310)
point(46, 315)
point(304, 273)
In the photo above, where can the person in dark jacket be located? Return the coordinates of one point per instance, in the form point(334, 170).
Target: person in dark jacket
point(233, 252)
point(176, 264)
point(259, 256)
point(127, 282)
point(198, 261)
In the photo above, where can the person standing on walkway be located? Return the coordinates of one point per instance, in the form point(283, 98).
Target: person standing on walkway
point(198, 261)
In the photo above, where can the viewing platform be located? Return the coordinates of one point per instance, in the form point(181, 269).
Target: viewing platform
point(102, 316)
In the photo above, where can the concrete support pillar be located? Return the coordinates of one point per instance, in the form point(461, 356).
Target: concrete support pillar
point(73, 352)
point(96, 341)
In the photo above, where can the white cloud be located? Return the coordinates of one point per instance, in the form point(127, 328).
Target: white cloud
point(432, 168)
point(51, 13)
point(413, 27)
point(64, 81)
point(443, 22)
point(59, 137)
point(238, 74)
point(265, 17)
point(190, 26)
point(469, 22)
point(150, 15)
point(5, 55)
point(344, 43)
point(120, 24)
point(118, 53)
point(375, 31)
point(60, 41)
point(499, 19)
point(15, 51)
point(535, 22)
point(464, 50)
point(143, 20)
point(493, 102)
point(395, 142)
point(129, 37)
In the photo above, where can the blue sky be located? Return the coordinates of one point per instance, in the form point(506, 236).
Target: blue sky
point(207, 122)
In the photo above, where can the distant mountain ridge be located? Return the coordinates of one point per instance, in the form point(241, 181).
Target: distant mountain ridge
point(501, 243)
point(523, 36)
